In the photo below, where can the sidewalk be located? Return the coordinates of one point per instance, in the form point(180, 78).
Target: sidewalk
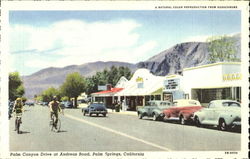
point(123, 112)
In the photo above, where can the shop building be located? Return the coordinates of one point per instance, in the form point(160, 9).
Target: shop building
point(213, 81)
point(142, 87)
point(107, 96)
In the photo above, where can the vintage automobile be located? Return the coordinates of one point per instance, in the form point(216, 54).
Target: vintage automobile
point(95, 108)
point(182, 110)
point(30, 103)
point(153, 109)
point(66, 104)
point(224, 114)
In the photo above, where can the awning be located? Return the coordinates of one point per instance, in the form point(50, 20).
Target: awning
point(107, 92)
point(157, 92)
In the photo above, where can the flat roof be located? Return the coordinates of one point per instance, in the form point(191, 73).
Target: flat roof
point(212, 64)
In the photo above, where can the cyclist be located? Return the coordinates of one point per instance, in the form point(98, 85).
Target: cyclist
point(18, 109)
point(54, 109)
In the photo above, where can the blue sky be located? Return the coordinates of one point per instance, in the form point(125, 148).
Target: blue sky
point(40, 39)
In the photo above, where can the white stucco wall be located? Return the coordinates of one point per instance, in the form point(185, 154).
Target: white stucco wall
point(210, 76)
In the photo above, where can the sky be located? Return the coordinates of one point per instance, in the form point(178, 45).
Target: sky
point(41, 39)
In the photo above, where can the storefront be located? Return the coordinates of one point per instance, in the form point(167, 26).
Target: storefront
point(213, 81)
point(107, 96)
point(142, 87)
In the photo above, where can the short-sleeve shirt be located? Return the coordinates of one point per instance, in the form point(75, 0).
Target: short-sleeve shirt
point(54, 106)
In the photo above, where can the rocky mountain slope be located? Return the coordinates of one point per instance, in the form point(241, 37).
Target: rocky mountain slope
point(173, 60)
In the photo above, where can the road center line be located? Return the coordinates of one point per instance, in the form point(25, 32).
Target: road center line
point(117, 132)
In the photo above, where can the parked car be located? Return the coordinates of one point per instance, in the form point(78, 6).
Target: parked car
point(182, 110)
point(95, 108)
point(11, 105)
point(67, 104)
point(224, 114)
point(153, 109)
point(29, 103)
point(45, 103)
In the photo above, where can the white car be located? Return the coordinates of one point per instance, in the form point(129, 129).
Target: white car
point(222, 113)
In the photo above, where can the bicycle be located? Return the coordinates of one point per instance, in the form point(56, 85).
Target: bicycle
point(53, 125)
point(18, 122)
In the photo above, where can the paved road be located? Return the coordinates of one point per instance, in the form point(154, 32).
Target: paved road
point(116, 132)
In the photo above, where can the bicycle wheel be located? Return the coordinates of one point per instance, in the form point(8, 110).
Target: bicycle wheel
point(52, 122)
point(58, 125)
point(18, 127)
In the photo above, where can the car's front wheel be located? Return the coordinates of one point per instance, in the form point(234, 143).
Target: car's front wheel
point(222, 125)
point(104, 114)
point(182, 120)
point(140, 115)
point(155, 118)
point(197, 121)
point(84, 113)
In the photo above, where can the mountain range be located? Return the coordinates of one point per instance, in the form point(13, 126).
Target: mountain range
point(170, 61)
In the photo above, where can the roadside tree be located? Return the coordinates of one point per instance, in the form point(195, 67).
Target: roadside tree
point(16, 88)
point(73, 86)
point(47, 95)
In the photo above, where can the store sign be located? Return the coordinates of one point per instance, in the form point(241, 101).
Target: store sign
point(139, 79)
point(172, 84)
point(231, 77)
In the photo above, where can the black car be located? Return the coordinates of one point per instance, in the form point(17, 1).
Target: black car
point(95, 108)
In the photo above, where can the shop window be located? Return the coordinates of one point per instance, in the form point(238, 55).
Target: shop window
point(157, 97)
point(207, 95)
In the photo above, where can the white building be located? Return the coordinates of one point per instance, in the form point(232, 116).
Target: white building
point(142, 87)
point(213, 81)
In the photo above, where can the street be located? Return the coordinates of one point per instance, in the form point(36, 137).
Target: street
point(116, 132)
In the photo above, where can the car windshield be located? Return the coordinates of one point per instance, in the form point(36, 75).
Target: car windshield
point(97, 105)
point(165, 104)
point(230, 104)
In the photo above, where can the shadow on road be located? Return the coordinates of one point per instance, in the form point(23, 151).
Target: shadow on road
point(62, 131)
point(24, 132)
point(235, 130)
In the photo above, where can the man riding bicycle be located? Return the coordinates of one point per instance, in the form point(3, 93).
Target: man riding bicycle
point(54, 109)
point(18, 109)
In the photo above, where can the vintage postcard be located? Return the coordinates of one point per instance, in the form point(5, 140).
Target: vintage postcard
point(124, 79)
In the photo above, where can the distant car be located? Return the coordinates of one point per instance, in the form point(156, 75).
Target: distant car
point(45, 103)
point(153, 109)
point(30, 103)
point(11, 105)
point(67, 104)
point(224, 114)
point(95, 108)
point(182, 110)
